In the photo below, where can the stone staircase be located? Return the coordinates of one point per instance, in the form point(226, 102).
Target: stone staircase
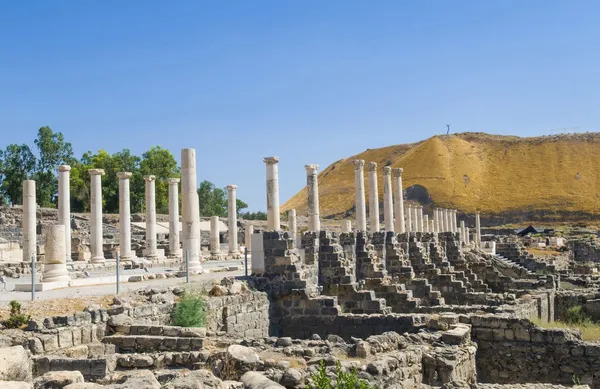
point(513, 263)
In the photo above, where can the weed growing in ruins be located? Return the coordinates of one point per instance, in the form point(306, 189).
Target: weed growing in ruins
point(16, 318)
point(189, 312)
point(576, 315)
point(342, 379)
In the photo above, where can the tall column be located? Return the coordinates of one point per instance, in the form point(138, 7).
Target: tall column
point(151, 217)
point(426, 224)
point(124, 216)
point(467, 237)
point(432, 226)
point(312, 187)
point(273, 218)
point(409, 227)
point(174, 249)
point(29, 221)
point(421, 222)
point(388, 201)
point(373, 197)
point(293, 227)
point(399, 226)
point(64, 206)
point(478, 229)
point(190, 210)
point(55, 257)
point(360, 204)
point(446, 218)
point(248, 236)
point(232, 231)
point(434, 219)
point(96, 239)
point(346, 226)
point(215, 241)
point(462, 232)
point(416, 226)
point(455, 221)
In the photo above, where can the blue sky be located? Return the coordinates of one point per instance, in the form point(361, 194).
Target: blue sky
point(309, 81)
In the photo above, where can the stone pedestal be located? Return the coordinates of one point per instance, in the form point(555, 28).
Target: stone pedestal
point(215, 241)
point(373, 197)
point(312, 187)
point(124, 217)
point(151, 217)
point(29, 221)
point(64, 206)
point(232, 230)
point(96, 237)
point(55, 262)
point(399, 224)
point(360, 205)
point(388, 202)
point(174, 247)
point(190, 210)
point(346, 225)
point(273, 217)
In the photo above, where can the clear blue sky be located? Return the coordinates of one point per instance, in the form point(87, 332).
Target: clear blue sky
point(309, 81)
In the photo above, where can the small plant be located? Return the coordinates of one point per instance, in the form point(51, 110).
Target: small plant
point(343, 380)
point(16, 318)
point(576, 380)
point(576, 315)
point(189, 312)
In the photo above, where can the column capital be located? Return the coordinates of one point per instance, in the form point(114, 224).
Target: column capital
point(387, 170)
point(372, 166)
point(96, 172)
point(149, 178)
point(231, 187)
point(359, 164)
point(64, 168)
point(397, 172)
point(311, 169)
point(124, 175)
point(271, 160)
point(173, 181)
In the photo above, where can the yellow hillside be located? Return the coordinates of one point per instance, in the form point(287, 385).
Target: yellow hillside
point(475, 171)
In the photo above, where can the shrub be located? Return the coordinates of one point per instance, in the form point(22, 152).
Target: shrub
point(189, 312)
point(342, 380)
point(16, 318)
point(576, 315)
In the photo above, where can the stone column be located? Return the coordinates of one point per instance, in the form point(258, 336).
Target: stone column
point(421, 222)
point(467, 237)
point(64, 206)
point(416, 218)
point(248, 236)
point(434, 219)
point(232, 238)
point(426, 224)
point(360, 204)
point(462, 232)
point(55, 258)
point(446, 217)
point(399, 226)
point(215, 241)
point(273, 218)
point(96, 237)
point(455, 221)
point(150, 217)
point(174, 247)
point(478, 230)
point(373, 197)
point(346, 226)
point(432, 226)
point(190, 210)
point(388, 201)
point(312, 187)
point(29, 221)
point(409, 227)
point(124, 216)
point(293, 227)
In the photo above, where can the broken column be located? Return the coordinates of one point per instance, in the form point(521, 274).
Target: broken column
point(292, 222)
point(467, 237)
point(174, 249)
point(29, 221)
point(360, 205)
point(373, 197)
point(64, 206)
point(312, 187)
point(273, 218)
point(477, 230)
point(409, 227)
point(150, 217)
point(232, 238)
point(190, 210)
point(96, 236)
point(248, 236)
point(55, 259)
point(346, 226)
point(215, 241)
point(124, 216)
point(388, 201)
point(399, 226)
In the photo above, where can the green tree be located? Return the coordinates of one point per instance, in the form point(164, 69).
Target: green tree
point(213, 200)
point(239, 205)
point(53, 151)
point(159, 162)
point(18, 164)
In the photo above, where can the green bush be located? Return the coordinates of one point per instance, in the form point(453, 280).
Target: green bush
point(342, 380)
point(189, 312)
point(576, 315)
point(16, 318)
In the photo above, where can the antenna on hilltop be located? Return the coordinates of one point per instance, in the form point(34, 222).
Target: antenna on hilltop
point(447, 129)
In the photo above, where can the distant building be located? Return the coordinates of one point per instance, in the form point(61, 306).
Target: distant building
point(534, 230)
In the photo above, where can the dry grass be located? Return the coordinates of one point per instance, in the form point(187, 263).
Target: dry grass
point(542, 252)
point(588, 331)
point(54, 307)
point(475, 171)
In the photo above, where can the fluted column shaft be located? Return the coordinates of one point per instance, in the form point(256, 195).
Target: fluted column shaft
point(360, 204)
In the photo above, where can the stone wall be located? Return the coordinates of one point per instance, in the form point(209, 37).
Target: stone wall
point(584, 250)
point(245, 315)
point(588, 300)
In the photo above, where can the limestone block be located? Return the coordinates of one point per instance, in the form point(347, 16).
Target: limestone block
point(15, 364)
point(254, 380)
point(14, 385)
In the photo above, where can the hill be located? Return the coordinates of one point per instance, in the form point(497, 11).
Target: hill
point(506, 178)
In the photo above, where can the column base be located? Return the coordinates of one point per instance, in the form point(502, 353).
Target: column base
point(175, 254)
point(98, 260)
point(55, 272)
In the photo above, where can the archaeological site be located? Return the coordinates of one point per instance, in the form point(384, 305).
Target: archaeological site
point(398, 293)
